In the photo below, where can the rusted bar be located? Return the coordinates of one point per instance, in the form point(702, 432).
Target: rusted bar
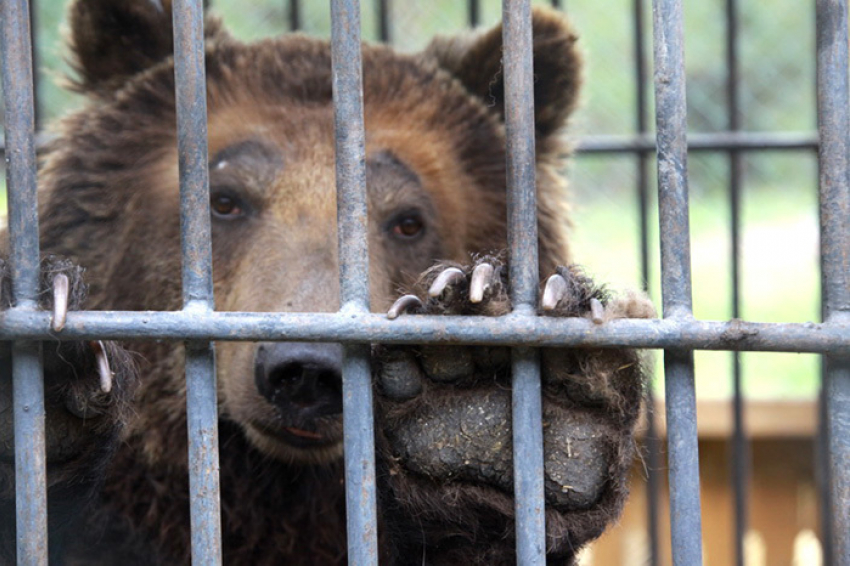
point(671, 125)
point(27, 378)
point(358, 428)
point(834, 128)
point(201, 398)
point(522, 245)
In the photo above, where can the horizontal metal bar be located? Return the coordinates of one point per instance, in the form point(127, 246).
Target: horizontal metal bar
point(715, 141)
point(645, 143)
point(828, 337)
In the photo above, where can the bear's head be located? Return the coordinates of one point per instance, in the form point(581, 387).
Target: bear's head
point(435, 162)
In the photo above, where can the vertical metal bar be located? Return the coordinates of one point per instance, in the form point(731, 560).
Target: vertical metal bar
point(653, 442)
point(20, 153)
point(295, 15)
point(201, 402)
point(384, 21)
point(358, 428)
point(28, 383)
point(671, 123)
point(522, 244)
point(474, 7)
point(30, 457)
point(36, 76)
point(740, 449)
point(834, 130)
point(822, 471)
point(192, 149)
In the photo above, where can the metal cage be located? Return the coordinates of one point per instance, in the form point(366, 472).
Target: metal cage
point(678, 333)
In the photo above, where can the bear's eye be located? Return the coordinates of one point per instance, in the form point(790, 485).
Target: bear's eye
point(226, 206)
point(408, 226)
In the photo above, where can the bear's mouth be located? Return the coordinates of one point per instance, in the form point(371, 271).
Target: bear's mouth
point(297, 443)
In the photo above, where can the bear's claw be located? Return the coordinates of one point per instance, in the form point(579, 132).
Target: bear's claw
point(484, 277)
point(61, 293)
point(103, 370)
point(448, 277)
point(405, 303)
point(556, 288)
point(597, 311)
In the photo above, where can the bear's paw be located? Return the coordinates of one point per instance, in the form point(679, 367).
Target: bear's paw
point(445, 416)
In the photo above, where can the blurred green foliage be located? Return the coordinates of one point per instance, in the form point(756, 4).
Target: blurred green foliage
point(779, 238)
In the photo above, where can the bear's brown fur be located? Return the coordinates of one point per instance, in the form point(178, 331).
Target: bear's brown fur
point(435, 149)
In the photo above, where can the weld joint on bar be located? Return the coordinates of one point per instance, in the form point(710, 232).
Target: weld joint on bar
point(679, 312)
point(198, 306)
point(353, 308)
point(24, 305)
point(522, 310)
point(837, 318)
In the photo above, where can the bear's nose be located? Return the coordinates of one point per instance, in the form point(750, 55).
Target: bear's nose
point(304, 380)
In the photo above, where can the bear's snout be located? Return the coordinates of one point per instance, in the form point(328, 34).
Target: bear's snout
point(303, 380)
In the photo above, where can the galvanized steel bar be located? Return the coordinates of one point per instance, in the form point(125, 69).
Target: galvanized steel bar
point(834, 128)
point(822, 471)
point(350, 154)
point(384, 21)
point(358, 428)
point(28, 384)
point(353, 328)
point(191, 96)
point(474, 12)
point(201, 401)
point(295, 15)
point(202, 424)
point(523, 257)
point(715, 141)
point(671, 126)
point(740, 447)
point(36, 76)
point(651, 440)
point(30, 457)
point(20, 161)
point(645, 143)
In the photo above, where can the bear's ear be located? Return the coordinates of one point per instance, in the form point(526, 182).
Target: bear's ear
point(112, 40)
point(476, 60)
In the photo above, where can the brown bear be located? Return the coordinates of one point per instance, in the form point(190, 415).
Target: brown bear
point(435, 160)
